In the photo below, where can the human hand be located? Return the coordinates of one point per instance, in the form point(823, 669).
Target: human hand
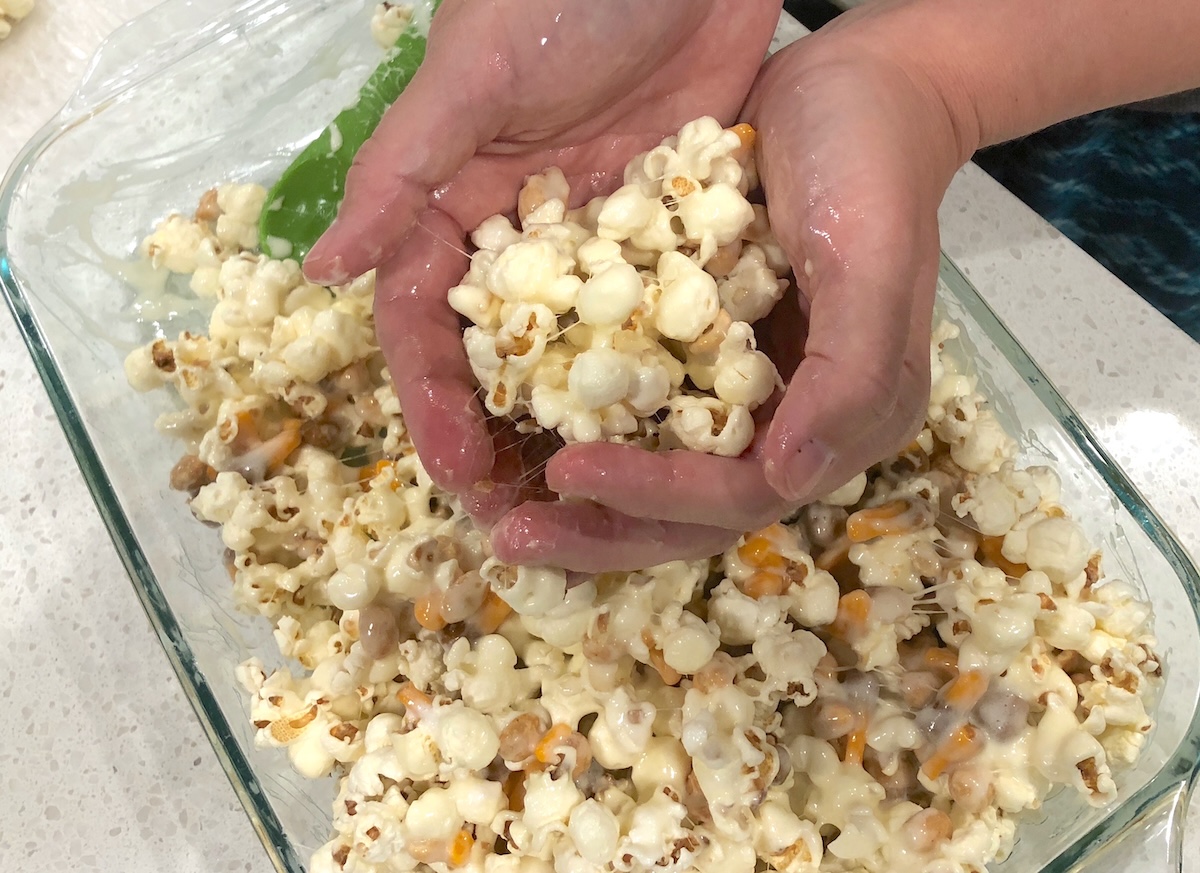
point(507, 89)
point(855, 152)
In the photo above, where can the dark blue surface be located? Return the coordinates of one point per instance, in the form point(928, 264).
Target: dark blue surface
point(1124, 185)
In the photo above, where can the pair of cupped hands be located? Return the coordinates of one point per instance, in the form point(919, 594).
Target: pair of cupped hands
point(855, 150)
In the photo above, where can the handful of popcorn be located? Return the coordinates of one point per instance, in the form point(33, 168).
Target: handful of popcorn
point(630, 318)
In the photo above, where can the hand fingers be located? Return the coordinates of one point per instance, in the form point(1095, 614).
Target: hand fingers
point(422, 341)
point(489, 499)
point(677, 486)
point(592, 539)
point(422, 141)
point(860, 224)
point(518, 475)
point(859, 221)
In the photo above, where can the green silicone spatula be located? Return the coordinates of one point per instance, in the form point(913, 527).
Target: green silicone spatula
point(305, 200)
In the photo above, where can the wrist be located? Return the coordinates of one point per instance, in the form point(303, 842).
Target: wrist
point(898, 35)
point(1006, 69)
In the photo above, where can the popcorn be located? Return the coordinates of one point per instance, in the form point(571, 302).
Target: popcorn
point(884, 680)
point(688, 301)
point(388, 21)
point(240, 206)
point(595, 831)
point(486, 674)
point(599, 378)
point(1058, 547)
point(752, 288)
point(534, 270)
point(1063, 752)
point(612, 292)
point(716, 215)
point(689, 648)
point(615, 280)
point(707, 424)
point(178, 244)
point(628, 214)
point(11, 12)
point(528, 590)
point(997, 501)
point(848, 494)
point(466, 738)
point(622, 732)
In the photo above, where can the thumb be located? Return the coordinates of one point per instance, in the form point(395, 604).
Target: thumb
point(861, 390)
point(452, 106)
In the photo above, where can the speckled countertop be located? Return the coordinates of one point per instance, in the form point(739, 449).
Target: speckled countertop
point(104, 767)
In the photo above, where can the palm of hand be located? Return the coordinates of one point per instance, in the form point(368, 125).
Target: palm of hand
point(599, 90)
point(511, 87)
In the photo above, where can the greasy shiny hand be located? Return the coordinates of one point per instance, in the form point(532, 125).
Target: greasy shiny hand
point(508, 88)
point(855, 152)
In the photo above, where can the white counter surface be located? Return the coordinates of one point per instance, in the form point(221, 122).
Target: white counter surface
point(104, 767)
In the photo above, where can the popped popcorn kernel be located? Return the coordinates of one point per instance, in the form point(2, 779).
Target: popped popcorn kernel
point(388, 21)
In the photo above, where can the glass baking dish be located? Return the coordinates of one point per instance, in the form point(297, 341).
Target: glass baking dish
point(197, 93)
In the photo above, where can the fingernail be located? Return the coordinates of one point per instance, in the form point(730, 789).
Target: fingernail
point(571, 476)
point(513, 546)
point(501, 542)
point(806, 469)
point(320, 266)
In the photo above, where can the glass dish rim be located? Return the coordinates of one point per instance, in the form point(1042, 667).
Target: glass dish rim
point(238, 770)
point(162, 619)
point(1176, 776)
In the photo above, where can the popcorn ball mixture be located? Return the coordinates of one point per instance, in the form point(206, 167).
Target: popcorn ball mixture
point(629, 319)
point(882, 683)
point(12, 11)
